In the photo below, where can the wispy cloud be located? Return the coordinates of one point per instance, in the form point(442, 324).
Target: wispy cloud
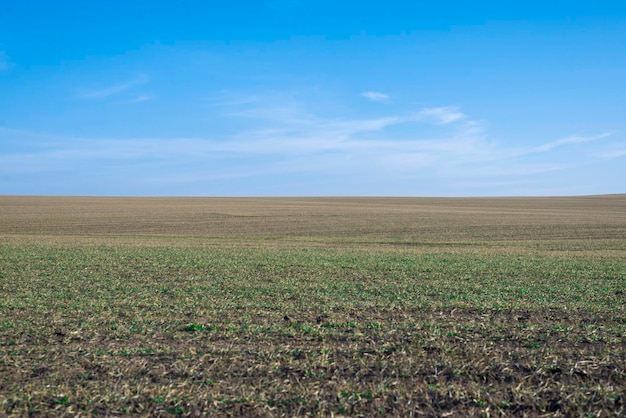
point(113, 89)
point(140, 98)
point(614, 152)
point(441, 115)
point(314, 139)
point(375, 96)
point(570, 140)
point(282, 139)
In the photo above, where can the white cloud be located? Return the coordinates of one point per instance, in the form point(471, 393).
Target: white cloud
point(296, 138)
point(281, 138)
point(375, 96)
point(141, 98)
point(441, 115)
point(113, 89)
point(570, 140)
point(612, 153)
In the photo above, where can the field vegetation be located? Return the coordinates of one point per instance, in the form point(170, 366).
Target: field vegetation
point(313, 306)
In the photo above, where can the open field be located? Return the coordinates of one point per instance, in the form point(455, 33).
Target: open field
point(313, 306)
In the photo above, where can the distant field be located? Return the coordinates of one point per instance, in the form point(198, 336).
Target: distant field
point(313, 306)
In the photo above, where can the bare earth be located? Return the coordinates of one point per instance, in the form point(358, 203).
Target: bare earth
point(417, 221)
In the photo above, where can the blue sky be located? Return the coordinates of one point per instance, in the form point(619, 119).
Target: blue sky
point(300, 97)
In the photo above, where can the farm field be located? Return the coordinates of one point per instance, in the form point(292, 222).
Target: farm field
point(313, 306)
